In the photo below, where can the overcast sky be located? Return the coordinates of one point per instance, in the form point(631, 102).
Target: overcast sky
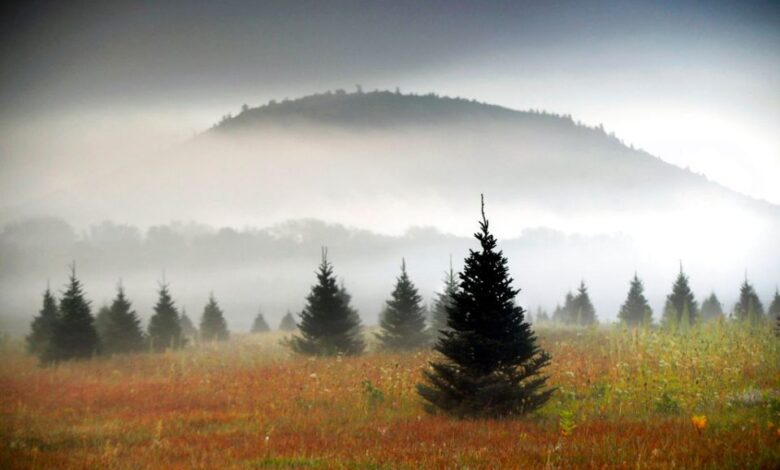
point(695, 83)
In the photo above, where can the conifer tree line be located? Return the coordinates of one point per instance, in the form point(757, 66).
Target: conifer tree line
point(65, 328)
point(681, 309)
point(577, 309)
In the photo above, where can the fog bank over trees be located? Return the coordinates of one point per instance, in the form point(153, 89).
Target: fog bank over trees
point(272, 268)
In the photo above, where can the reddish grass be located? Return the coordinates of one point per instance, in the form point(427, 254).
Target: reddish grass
point(247, 405)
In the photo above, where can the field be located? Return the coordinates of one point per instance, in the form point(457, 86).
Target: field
point(625, 399)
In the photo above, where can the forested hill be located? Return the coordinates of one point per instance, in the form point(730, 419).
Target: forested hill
point(380, 109)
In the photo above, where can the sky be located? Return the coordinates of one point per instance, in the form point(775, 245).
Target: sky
point(694, 83)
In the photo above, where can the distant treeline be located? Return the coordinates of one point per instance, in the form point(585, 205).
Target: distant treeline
point(681, 309)
point(65, 328)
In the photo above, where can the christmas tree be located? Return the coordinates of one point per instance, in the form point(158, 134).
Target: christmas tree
point(635, 308)
point(328, 326)
point(75, 335)
point(403, 321)
point(122, 332)
point(43, 327)
point(213, 326)
point(491, 360)
point(442, 302)
point(164, 328)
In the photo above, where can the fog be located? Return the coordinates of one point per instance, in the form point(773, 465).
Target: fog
point(260, 194)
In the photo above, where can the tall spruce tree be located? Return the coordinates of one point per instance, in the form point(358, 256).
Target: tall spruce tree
point(259, 325)
point(164, 328)
point(43, 327)
point(443, 301)
point(402, 323)
point(328, 326)
point(492, 361)
point(288, 322)
point(75, 336)
point(680, 302)
point(188, 331)
point(711, 307)
point(582, 308)
point(635, 310)
point(122, 332)
point(749, 307)
point(213, 326)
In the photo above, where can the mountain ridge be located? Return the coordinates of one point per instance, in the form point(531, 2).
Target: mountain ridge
point(548, 153)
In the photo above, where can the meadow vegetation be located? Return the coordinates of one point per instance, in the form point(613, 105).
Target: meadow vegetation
point(625, 398)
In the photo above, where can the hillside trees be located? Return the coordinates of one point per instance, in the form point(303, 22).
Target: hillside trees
point(491, 360)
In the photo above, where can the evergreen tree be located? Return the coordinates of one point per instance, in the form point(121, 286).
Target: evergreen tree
point(75, 336)
point(260, 325)
point(711, 307)
point(122, 332)
point(213, 326)
point(443, 300)
point(749, 307)
point(164, 329)
point(492, 362)
point(635, 308)
point(582, 307)
point(188, 330)
point(288, 322)
point(39, 341)
point(328, 326)
point(403, 321)
point(679, 301)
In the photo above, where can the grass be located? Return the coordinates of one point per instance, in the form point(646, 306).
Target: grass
point(625, 399)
